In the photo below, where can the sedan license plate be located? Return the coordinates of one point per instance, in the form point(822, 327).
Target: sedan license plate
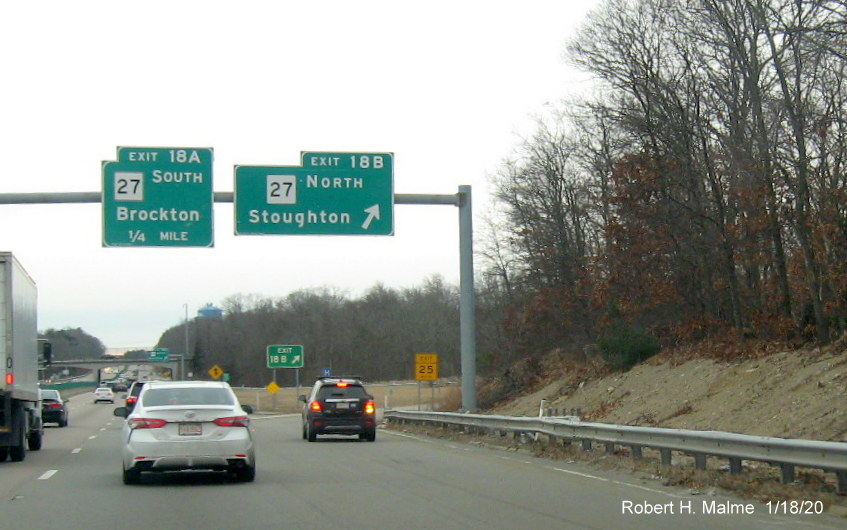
point(190, 429)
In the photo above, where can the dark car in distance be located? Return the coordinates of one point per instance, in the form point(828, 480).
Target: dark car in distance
point(339, 405)
point(132, 394)
point(54, 409)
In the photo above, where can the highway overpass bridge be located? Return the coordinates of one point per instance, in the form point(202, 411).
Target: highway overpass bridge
point(175, 363)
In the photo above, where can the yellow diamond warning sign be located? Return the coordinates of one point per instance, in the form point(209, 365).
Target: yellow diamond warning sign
point(216, 371)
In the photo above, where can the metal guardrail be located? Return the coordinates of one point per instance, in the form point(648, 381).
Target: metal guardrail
point(787, 453)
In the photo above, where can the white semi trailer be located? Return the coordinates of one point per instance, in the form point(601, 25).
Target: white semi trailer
point(20, 406)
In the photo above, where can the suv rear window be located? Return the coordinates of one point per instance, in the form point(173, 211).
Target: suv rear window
point(350, 391)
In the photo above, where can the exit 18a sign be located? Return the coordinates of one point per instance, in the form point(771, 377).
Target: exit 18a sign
point(285, 356)
point(158, 197)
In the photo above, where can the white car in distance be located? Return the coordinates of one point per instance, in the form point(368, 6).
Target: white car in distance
point(104, 393)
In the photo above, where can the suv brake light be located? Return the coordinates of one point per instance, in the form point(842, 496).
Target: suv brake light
point(146, 423)
point(370, 406)
point(233, 421)
point(315, 406)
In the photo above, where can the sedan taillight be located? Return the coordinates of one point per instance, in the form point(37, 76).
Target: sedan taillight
point(233, 421)
point(146, 423)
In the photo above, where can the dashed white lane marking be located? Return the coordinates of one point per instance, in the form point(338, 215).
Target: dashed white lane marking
point(48, 474)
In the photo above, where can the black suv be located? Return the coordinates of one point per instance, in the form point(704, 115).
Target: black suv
point(339, 405)
point(132, 395)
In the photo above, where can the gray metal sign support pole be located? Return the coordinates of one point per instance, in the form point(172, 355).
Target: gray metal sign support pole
point(467, 297)
point(467, 300)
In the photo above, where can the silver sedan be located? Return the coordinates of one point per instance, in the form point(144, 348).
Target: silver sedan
point(187, 425)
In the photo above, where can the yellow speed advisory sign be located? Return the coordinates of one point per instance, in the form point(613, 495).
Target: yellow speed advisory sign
point(426, 366)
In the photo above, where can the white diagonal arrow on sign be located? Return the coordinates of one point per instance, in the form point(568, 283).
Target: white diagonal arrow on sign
point(373, 213)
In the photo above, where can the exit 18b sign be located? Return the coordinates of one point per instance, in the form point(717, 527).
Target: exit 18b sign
point(285, 356)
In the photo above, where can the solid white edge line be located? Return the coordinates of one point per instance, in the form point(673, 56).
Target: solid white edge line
point(403, 435)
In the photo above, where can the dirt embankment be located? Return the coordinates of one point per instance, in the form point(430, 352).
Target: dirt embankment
point(790, 394)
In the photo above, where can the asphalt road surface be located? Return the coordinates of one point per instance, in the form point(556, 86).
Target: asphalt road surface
point(399, 481)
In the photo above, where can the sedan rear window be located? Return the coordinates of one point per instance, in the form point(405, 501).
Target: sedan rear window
point(157, 397)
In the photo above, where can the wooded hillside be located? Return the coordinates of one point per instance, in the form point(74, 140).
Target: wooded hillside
point(375, 336)
point(699, 190)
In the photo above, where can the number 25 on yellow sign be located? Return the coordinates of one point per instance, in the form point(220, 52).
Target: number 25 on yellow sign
point(426, 366)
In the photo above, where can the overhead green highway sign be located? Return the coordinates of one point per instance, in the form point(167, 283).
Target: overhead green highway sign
point(158, 197)
point(329, 194)
point(158, 355)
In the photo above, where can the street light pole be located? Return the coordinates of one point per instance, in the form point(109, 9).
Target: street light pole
point(185, 351)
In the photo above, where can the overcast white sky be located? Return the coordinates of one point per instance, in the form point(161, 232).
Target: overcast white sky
point(447, 86)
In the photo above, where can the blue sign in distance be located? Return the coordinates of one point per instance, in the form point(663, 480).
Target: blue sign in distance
point(330, 194)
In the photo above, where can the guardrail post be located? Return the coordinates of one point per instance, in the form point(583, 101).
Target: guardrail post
point(734, 466)
point(666, 456)
point(636, 451)
point(700, 461)
point(787, 473)
point(586, 444)
point(841, 480)
point(610, 447)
